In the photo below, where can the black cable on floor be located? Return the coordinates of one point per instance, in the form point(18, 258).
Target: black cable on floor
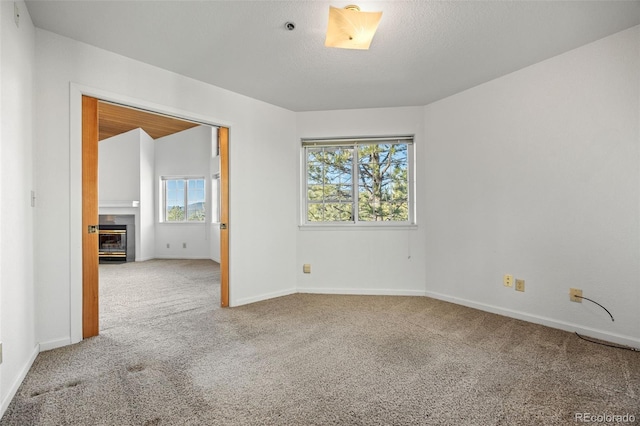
point(628, 348)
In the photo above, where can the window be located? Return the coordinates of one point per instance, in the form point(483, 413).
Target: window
point(364, 181)
point(184, 199)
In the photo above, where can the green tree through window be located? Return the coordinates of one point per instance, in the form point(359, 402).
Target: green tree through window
point(383, 184)
point(359, 182)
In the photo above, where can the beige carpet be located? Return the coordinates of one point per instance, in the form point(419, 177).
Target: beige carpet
point(167, 355)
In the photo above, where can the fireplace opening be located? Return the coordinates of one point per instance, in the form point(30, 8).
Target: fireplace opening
point(112, 243)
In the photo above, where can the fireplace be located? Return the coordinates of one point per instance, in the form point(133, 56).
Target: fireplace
point(112, 243)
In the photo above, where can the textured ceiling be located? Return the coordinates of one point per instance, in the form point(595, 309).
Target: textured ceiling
point(423, 50)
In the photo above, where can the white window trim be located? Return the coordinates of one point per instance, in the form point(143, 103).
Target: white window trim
point(215, 198)
point(353, 225)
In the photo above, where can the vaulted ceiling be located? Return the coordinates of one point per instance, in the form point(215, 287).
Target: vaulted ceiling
point(116, 119)
point(423, 50)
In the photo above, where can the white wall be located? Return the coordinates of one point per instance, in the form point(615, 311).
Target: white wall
point(261, 136)
point(214, 230)
point(17, 298)
point(364, 261)
point(119, 168)
point(125, 175)
point(187, 153)
point(2, 393)
point(537, 174)
point(146, 226)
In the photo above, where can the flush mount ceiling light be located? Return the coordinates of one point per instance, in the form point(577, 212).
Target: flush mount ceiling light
point(349, 28)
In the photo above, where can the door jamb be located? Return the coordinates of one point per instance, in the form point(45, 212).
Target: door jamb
point(76, 91)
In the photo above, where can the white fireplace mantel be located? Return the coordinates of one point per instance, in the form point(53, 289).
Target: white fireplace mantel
point(119, 203)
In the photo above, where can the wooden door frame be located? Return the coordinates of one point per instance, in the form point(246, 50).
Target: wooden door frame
point(223, 143)
point(89, 165)
point(90, 308)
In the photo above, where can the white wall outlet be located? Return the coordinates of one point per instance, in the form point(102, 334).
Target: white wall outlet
point(306, 268)
point(520, 285)
point(507, 280)
point(16, 14)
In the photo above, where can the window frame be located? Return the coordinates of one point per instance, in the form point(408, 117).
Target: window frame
point(163, 204)
point(354, 143)
point(215, 198)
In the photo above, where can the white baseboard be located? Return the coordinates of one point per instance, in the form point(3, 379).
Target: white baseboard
point(168, 257)
point(561, 325)
point(260, 298)
point(362, 291)
point(53, 344)
point(18, 381)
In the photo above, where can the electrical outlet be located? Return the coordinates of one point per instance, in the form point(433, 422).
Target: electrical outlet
point(306, 268)
point(519, 285)
point(507, 280)
point(573, 292)
point(184, 245)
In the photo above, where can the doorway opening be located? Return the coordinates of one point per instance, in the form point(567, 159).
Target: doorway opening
point(103, 120)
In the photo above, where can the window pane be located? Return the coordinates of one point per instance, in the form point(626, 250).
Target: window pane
point(195, 198)
point(174, 196)
point(383, 183)
point(184, 200)
point(315, 192)
point(329, 184)
point(330, 212)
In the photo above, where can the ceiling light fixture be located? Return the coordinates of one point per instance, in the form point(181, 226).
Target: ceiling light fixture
point(349, 28)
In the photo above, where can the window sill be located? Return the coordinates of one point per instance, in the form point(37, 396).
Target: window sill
point(182, 223)
point(351, 227)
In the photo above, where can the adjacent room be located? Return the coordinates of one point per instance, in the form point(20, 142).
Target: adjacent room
point(154, 166)
point(398, 212)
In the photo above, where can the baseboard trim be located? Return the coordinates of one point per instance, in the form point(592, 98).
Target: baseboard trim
point(54, 344)
point(260, 298)
point(180, 257)
point(561, 325)
point(362, 291)
point(13, 389)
